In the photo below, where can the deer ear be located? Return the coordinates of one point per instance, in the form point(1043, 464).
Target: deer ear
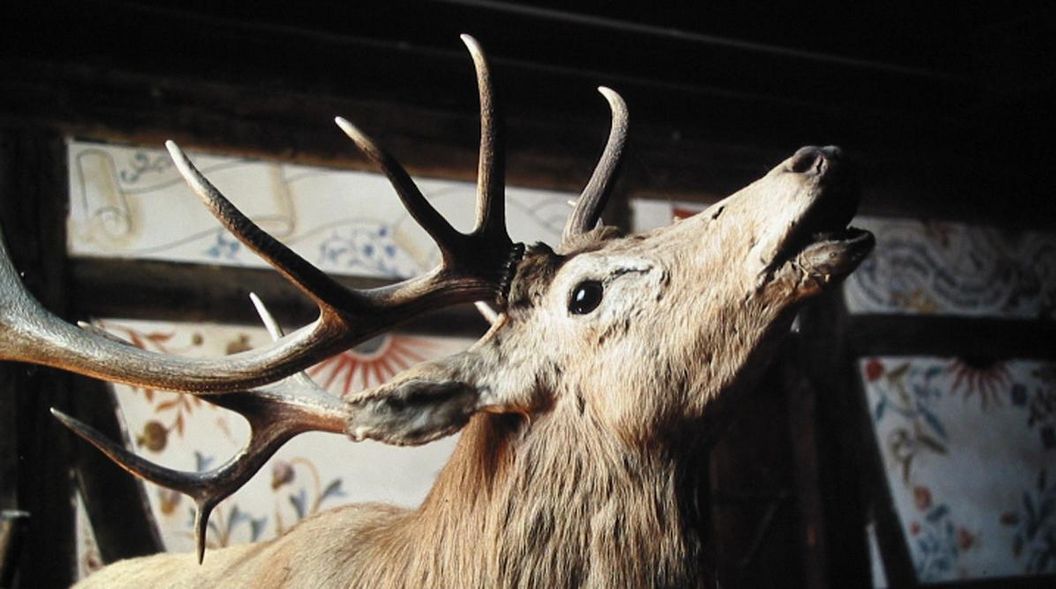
point(436, 399)
point(428, 402)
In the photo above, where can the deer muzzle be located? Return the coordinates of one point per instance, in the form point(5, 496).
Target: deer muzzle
point(820, 244)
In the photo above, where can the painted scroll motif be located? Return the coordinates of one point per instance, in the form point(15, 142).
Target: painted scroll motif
point(131, 202)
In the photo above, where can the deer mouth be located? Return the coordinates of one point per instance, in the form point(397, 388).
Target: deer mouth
point(821, 244)
point(833, 254)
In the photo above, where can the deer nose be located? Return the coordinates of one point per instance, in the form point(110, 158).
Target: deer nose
point(814, 160)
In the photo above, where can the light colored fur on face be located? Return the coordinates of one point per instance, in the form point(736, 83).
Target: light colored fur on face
point(584, 434)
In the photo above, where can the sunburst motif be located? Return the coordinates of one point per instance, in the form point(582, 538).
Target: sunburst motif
point(360, 368)
point(990, 378)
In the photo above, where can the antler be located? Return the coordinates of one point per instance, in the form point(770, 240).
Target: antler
point(474, 266)
point(592, 201)
point(276, 413)
point(265, 385)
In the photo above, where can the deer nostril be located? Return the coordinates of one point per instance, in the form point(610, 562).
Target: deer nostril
point(814, 160)
point(832, 152)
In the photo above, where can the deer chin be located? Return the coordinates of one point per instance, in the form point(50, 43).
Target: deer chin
point(820, 248)
point(829, 257)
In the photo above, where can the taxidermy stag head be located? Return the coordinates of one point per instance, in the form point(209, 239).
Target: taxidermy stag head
point(584, 410)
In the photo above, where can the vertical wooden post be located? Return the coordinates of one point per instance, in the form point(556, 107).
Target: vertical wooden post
point(116, 501)
point(827, 361)
point(32, 210)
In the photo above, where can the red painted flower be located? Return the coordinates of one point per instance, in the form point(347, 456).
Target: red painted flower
point(874, 369)
point(154, 436)
point(986, 376)
point(914, 528)
point(371, 363)
point(965, 539)
point(922, 497)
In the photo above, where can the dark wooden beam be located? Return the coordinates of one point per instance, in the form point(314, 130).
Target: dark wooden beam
point(116, 501)
point(917, 335)
point(828, 366)
point(268, 83)
point(757, 528)
point(144, 289)
point(1045, 581)
point(33, 167)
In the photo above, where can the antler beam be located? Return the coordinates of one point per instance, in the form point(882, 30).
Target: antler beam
point(265, 385)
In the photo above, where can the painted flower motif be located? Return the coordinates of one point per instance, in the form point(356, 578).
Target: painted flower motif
point(224, 248)
point(282, 473)
point(874, 369)
point(922, 498)
point(914, 528)
point(366, 246)
point(370, 363)
point(985, 376)
point(169, 500)
point(154, 436)
point(238, 345)
point(965, 539)
point(908, 394)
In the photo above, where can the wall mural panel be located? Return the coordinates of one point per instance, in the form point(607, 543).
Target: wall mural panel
point(131, 202)
point(969, 452)
point(314, 472)
point(939, 268)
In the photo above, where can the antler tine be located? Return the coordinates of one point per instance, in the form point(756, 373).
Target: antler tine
point(194, 485)
point(312, 281)
point(487, 312)
point(445, 236)
point(207, 489)
point(275, 331)
point(590, 204)
point(491, 166)
point(276, 413)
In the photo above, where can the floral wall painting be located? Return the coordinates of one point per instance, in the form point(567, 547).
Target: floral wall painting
point(131, 202)
point(940, 268)
point(89, 559)
point(313, 472)
point(969, 452)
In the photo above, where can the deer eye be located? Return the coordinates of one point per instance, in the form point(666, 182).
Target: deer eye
point(585, 297)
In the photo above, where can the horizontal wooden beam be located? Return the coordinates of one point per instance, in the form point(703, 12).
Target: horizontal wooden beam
point(917, 335)
point(144, 289)
point(268, 84)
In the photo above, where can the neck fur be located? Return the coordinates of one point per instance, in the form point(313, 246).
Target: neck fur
point(562, 503)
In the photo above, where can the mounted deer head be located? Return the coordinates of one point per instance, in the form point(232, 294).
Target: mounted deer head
point(644, 331)
point(584, 407)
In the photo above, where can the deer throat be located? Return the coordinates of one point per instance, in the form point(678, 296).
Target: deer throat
point(555, 514)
